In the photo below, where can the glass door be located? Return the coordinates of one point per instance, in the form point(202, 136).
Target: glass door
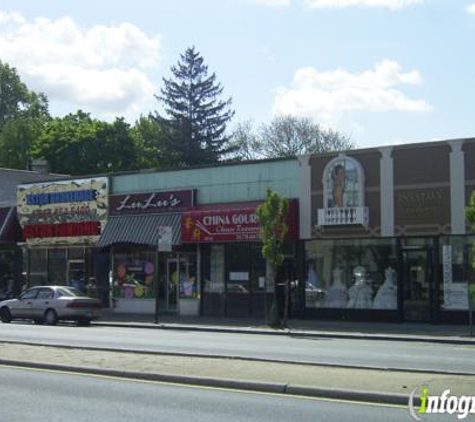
point(76, 274)
point(417, 284)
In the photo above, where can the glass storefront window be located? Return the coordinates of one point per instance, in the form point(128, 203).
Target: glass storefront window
point(356, 273)
point(6, 274)
point(38, 267)
point(455, 253)
point(214, 271)
point(57, 263)
point(134, 275)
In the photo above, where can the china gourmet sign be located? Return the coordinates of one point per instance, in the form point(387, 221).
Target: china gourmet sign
point(63, 212)
point(153, 202)
point(227, 225)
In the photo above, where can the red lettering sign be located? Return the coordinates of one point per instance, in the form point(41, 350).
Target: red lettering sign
point(237, 224)
point(83, 228)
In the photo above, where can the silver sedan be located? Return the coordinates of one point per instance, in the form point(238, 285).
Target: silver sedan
point(50, 304)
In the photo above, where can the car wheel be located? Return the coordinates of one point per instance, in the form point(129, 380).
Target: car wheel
point(51, 317)
point(5, 315)
point(84, 323)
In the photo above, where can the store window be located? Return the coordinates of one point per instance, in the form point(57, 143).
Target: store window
point(134, 275)
point(214, 270)
point(57, 264)
point(455, 252)
point(354, 274)
point(38, 267)
point(6, 274)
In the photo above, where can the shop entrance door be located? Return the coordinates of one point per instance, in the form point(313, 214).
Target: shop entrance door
point(76, 274)
point(417, 284)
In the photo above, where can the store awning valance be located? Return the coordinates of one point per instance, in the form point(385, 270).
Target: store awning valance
point(140, 229)
point(9, 228)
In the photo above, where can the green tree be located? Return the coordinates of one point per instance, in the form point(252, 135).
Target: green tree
point(149, 135)
point(287, 136)
point(77, 144)
point(272, 215)
point(196, 115)
point(22, 115)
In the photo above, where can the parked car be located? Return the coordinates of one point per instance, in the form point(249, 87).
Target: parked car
point(50, 304)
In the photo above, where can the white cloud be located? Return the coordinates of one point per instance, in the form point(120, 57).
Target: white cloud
point(100, 69)
point(267, 54)
point(471, 8)
point(326, 95)
point(272, 3)
point(340, 4)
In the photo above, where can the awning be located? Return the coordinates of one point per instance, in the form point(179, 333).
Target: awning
point(139, 229)
point(10, 230)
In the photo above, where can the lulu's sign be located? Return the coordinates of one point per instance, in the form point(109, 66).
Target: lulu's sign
point(153, 202)
point(63, 212)
point(238, 224)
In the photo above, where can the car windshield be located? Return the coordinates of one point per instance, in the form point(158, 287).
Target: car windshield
point(71, 292)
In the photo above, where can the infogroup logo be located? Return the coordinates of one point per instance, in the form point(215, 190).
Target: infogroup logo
point(459, 406)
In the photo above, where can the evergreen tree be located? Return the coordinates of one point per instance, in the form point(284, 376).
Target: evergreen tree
point(196, 115)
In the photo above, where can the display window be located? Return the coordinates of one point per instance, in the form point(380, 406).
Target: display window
point(134, 275)
point(455, 256)
point(351, 274)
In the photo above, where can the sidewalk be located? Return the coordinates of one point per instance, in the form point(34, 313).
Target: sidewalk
point(378, 386)
point(456, 334)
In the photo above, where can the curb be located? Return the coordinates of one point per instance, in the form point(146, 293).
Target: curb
point(243, 385)
point(292, 333)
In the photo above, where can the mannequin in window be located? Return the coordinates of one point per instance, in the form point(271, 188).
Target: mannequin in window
point(361, 293)
point(337, 296)
point(386, 298)
point(338, 179)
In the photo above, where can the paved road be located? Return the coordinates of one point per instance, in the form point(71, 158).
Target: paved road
point(27, 395)
point(370, 353)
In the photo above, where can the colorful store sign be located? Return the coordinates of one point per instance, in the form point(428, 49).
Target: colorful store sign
point(237, 224)
point(152, 202)
point(63, 212)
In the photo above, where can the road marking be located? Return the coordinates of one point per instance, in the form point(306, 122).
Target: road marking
point(204, 387)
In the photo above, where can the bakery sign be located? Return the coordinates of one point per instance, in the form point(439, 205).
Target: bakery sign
point(221, 225)
point(151, 202)
point(63, 212)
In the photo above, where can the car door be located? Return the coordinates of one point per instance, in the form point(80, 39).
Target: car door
point(22, 307)
point(42, 302)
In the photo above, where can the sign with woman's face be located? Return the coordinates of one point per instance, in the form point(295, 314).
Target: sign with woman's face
point(342, 184)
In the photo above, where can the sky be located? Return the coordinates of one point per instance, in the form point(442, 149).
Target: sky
point(383, 72)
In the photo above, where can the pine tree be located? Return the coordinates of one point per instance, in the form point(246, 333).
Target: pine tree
point(196, 115)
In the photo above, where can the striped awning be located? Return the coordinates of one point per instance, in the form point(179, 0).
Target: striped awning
point(139, 229)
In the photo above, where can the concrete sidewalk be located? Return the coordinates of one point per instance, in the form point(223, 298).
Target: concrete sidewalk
point(455, 334)
point(379, 386)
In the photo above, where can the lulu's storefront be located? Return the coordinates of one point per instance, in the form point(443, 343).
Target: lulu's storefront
point(143, 239)
point(389, 238)
point(61, 223)
point(233, 271)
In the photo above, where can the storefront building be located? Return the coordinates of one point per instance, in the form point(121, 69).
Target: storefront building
point(12, 279)
point(190, 238)
point(387, 239)
point(61, 224)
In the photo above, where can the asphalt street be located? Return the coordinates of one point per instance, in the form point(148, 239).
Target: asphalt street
point(355, 352)
point(31, 395)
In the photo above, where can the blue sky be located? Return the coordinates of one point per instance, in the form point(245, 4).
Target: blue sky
point(383, 71)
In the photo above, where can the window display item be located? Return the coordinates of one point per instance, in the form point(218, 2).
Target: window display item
point(361, 293)
point(386, 298)
point(337, 295)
